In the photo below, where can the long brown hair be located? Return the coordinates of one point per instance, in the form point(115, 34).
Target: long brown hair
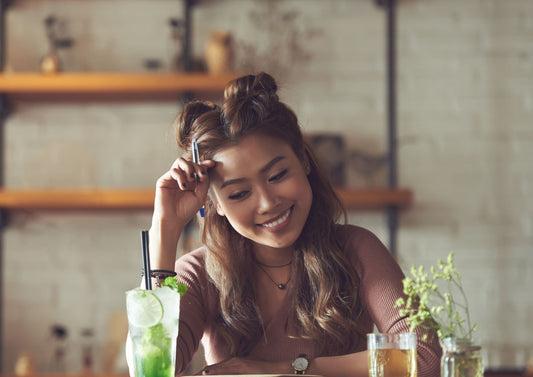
point(326, 301)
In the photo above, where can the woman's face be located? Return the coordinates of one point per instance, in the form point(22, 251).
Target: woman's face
point(261, 187)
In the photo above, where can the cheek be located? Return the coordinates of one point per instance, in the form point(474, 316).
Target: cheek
point(237, 213)
point(301, 188)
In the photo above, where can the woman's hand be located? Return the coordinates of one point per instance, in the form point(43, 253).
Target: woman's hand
point(179, 195)
point(181, 192)
point(238, 365)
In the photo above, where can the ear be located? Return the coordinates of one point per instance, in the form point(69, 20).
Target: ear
point(220, 211)
point(306, 165)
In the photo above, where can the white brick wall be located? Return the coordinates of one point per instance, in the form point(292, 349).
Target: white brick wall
point(466, 75)
point(465, 96)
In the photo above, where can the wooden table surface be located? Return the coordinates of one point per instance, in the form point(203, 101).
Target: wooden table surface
point(508, 374)
point(487, 374)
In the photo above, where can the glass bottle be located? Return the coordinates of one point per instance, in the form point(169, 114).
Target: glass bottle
point(59, 335)
point(87, 351)
point(461, 358)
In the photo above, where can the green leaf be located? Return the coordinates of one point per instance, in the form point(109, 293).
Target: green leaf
point(172, 282)
point(429, 306)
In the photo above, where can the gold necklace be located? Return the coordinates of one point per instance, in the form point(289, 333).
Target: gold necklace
point(280, 286)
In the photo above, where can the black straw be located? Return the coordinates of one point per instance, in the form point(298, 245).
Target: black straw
point(146, 259)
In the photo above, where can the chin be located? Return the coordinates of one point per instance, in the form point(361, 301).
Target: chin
point(282, 243)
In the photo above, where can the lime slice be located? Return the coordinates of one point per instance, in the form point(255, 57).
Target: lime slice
point(144, 308)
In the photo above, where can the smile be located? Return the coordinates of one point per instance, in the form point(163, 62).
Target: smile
point(279, 220)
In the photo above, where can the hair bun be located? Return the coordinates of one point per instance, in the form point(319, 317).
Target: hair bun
point(249, 99)
point(186, 119)
point(251, 86)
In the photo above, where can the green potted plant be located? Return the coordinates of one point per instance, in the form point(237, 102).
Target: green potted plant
point(437, 302)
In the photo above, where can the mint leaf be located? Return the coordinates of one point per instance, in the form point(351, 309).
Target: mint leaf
point(172, 283)
point(155, 348)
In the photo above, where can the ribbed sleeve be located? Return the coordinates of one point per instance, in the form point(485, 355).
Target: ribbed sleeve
point(193, 307)
point(380, 287)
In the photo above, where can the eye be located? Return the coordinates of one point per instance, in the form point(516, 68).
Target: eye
point(239, 195)
point(278, 176)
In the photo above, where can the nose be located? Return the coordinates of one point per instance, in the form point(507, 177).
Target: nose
point(267, 200)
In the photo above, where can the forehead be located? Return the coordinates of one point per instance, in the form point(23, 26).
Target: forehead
point(250, 154)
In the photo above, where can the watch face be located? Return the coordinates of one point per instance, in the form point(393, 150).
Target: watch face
point(300, 364)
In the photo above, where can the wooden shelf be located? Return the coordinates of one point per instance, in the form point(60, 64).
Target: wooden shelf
point(62, 199)
point(107, 85)
point(375, 198)
point(110, 84)
point(77, 199)
point(143, 85)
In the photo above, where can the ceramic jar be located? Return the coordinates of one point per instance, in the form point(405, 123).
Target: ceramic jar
point(219, 52)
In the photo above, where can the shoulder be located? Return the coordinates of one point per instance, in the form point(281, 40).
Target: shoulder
point(355, 233)
point(195, 257)
point(191, 271)
point(366, 251)
point(191, 266)
point(356, 239)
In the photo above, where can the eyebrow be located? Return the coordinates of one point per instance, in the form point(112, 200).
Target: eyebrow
point(271, 163)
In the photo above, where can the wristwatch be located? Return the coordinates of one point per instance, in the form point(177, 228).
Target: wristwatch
point(301, 364)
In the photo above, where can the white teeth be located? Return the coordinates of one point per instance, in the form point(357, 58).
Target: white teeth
point(278, 221)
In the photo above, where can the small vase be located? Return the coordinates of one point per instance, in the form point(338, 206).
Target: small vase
point(219, 53)
point(50, 63)
point(461, 358)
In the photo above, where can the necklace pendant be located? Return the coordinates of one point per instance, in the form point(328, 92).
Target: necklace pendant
point(281, 286)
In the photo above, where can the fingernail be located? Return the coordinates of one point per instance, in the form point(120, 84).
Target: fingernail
point(206, 371)
point(192, 175)
point(203, 172)
point(183, 185)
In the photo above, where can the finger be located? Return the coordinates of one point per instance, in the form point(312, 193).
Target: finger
point(189, 169)
point(208, 163)
point(178, 177)
point(168, 180)
point(213, 369)
point(202, 186)
point(182, 172)
point(204, 168)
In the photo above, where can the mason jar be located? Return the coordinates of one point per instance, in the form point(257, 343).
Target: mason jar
point(461, 358)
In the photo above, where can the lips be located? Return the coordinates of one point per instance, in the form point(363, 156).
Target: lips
point(279, 220)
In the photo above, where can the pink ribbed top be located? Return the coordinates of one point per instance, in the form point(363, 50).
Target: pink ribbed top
point(380, 286)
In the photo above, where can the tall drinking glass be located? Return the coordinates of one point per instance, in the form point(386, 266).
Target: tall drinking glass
point(392, 355)
point(153, 317)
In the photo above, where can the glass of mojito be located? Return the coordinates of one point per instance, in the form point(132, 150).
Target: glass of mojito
point(153, 317)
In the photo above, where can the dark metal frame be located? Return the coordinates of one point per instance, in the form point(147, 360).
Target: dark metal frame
point(392, 211)
point(4, 4)
point(187, 57)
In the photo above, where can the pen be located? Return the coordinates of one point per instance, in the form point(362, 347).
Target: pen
point(196, 160)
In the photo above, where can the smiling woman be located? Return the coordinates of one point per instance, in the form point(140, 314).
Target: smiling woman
point(279, 278)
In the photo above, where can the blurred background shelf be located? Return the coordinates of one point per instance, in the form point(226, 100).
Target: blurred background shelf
point(10, 199)
point(33, 85)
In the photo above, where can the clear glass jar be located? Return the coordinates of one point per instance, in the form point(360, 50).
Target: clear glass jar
point(461, 358)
